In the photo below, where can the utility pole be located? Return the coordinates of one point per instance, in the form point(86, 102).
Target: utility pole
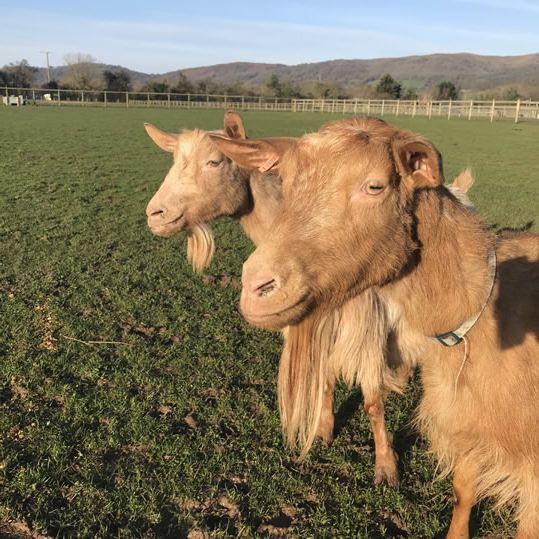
point(46, 53)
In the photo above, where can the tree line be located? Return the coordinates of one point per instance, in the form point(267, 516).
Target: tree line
point(83, 73)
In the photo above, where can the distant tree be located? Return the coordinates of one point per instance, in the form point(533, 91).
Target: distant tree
point(325, 90)
point(51, 85)
point(274, 85)
point(410, 94)
point(183, 86)
point(288, 89)
point(388, 86)
point(156, 87)
point(364, 91)
point(282, 89)
point(209, 87)
point(117, 81)
point(18, 74)
point(511, 94)
point(202, 87)
point(235, 88)
point(82, 72)
point(446, 90)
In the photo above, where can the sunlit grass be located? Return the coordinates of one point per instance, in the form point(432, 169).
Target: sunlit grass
point(174, 426)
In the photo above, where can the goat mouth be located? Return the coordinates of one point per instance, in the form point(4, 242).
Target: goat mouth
point(277, 317)
point(168, 229)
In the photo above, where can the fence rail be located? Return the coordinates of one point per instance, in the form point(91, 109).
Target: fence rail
point(491, 110)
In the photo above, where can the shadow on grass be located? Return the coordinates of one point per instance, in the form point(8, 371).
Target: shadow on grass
point(404, 439)
point(347, 409)
point(495, 227)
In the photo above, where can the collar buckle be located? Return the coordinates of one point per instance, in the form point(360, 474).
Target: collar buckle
point(448, 339)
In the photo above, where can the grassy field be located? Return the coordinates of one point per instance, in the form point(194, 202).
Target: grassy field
point(172, 430)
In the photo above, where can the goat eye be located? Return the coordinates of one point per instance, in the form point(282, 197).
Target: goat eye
point(374, 187)
point(213, 163)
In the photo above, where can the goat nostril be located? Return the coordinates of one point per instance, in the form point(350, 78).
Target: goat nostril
point(159, 212)
point(266, 288)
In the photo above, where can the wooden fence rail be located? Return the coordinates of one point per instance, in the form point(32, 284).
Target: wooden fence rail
point(491, 110)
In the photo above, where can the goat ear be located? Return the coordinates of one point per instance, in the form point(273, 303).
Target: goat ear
point(166, 141)
point(464, 181)
point(234, 127)
point(259, 154)
point(418, 160)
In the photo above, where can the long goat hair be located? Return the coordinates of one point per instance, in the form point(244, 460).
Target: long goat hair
point(346, 343)
point(200, 247)
point(301, 383)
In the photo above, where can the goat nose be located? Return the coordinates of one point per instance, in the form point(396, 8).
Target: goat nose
point(260, 285)
point(155, 212)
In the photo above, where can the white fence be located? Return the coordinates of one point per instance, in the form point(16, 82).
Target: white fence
point(491, 110)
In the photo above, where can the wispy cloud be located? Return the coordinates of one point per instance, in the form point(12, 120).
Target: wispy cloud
point(168, 40)
point(507, 5)
point(198, 38)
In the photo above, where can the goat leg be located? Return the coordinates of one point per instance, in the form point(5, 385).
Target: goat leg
point(385, 466)
point(327, 418)
point(464, 499)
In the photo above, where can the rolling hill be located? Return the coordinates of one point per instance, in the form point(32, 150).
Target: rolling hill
point(465, 70)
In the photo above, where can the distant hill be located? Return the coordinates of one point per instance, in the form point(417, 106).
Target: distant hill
point(469, 71)
point(465, 70)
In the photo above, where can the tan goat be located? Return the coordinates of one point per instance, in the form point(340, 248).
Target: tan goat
point(201, 186)
point(365, 206)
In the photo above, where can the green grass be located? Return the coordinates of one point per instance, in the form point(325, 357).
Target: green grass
point(176, 429)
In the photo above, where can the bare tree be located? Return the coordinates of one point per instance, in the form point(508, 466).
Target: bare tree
point(82, 72)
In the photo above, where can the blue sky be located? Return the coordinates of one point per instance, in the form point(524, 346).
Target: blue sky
point(156, 37)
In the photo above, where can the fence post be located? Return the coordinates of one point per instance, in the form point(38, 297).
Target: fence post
point(127, 99)
point(368, 107)
point(398, 106)
point(59, 97)
point(188, 101)
point(7, 92)
point(492, 110)
point(414, 109)
point(147, 100)
point(33, 96)
point(517, 111)
point(168, 100)
point(430, 109)
point(449, 109)
point(105, 98)
point(82, 97)
point(471, 109)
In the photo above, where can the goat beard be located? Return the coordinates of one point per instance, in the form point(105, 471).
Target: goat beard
point(200, 247)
